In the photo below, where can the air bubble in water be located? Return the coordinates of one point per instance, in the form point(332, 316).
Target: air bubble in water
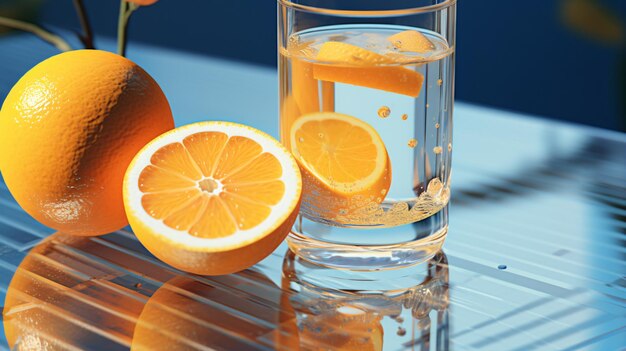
point(437, 125)
point(412, 143)
point(384, 112)
point(405, 117)
point(437, 150)
point(434, 187)
point(301, 139)
point(401, 331)
point(321, 135)
point(439, 81)
point(449, 146)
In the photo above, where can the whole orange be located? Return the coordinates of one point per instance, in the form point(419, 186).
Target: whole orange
point(68, 130)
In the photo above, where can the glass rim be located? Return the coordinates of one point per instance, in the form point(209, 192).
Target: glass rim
point(369, 13)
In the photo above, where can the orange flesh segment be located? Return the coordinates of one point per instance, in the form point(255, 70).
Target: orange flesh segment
point(247, 214)
point(411, 41)
point(353, 65)
point(181, 188)
point(159, 205)
point(267, 193)
point(263, 168)
point(215, 220)
point(205, 149)
point(175, 158)
point(238, 152)
point(153, 179)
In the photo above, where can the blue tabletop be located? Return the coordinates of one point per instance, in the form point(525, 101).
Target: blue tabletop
point(535, 257)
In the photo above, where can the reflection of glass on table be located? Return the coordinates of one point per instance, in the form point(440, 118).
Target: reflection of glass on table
point(369, 319)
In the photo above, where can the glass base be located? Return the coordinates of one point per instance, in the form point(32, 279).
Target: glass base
point(369, 249)
point(331, 282)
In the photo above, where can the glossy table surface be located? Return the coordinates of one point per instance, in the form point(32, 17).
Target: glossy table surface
point(535, 256)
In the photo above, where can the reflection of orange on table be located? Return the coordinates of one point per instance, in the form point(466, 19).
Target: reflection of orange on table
point(346, 328)
point(59, 300)
point(220, 313)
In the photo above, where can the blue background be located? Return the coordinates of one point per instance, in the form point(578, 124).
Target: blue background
point(514, 55)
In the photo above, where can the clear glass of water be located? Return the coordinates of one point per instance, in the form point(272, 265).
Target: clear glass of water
point(366, 98)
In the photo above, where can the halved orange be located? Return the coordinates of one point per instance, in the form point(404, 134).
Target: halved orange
point(350, 64)
point(344, 163)
point(212, 197)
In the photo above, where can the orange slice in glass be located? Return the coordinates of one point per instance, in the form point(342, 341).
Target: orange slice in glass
point(411, 41)
point(343, 160)
point(350, 64)
point(212, 197)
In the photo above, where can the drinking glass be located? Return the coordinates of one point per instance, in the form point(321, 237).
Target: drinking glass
point(366, 98)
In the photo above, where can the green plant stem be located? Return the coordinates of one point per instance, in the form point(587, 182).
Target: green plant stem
point(87, 36)
point(51, 38)
point(126, 10)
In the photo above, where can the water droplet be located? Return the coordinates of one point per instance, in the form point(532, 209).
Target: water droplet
point(384, 112)
point(397, 44)
point(401, 331)
point(427, 105)
point(437, 125)
point(502, 267)
point(412, 143)
point(437, 150)
point(449, 146)
point(138, 285)
point(399, 319)
point(439, 82)
point(301, 139)
point(405, 117)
